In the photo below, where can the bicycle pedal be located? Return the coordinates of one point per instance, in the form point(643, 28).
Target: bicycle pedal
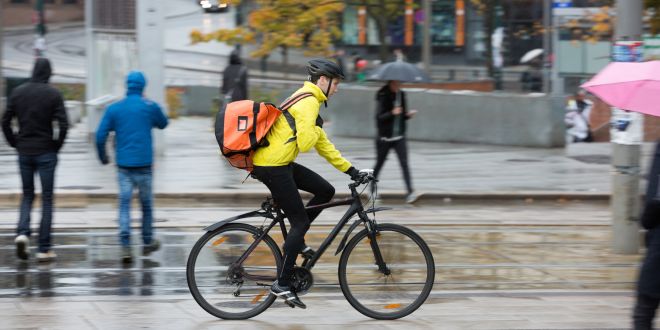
point(290, 304)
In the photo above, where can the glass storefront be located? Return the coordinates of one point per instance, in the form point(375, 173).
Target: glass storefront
point(444, 22)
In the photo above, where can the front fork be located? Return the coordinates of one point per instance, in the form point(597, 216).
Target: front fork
point(373, 234)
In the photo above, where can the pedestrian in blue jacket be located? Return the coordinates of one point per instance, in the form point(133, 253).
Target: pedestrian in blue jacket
point(132, 120)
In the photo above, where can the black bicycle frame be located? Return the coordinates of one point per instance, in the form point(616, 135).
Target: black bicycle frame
point(355, 208)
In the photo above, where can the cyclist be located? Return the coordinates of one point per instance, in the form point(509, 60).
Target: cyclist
point(275, 166)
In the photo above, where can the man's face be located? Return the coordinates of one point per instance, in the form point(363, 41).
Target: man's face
point(323, 85)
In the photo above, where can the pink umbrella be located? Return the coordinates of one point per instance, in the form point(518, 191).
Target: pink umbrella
point(633, 86)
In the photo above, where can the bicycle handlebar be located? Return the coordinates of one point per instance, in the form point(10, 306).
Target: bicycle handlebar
point(365, 176)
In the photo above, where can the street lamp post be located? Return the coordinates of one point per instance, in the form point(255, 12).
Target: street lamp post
point(426, 45)
point(626, 146)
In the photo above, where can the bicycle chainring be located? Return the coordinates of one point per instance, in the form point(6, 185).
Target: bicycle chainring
point(302, 280)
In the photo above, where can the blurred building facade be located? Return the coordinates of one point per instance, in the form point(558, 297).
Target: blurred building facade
point(458, 34)
point(22, 12)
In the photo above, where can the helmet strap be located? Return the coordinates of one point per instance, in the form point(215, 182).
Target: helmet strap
point(327, 91)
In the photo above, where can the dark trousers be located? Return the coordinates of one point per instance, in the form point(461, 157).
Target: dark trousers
point(283, 183)
point(401, 149)
point(644, 312)
point(29, 165)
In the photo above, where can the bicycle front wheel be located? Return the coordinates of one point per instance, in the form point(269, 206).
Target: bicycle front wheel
point(228, 289)
point(401, 286)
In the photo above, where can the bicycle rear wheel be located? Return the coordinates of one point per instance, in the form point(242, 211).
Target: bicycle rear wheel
point(225, 289)
point(396, 292)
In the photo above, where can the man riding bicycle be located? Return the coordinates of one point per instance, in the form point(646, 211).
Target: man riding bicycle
point(274, 166)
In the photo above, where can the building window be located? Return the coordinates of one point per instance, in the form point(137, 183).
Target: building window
point(49, 2)
point(20, 1)
point(70, 2)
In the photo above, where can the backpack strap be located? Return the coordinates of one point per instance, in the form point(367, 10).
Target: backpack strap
point(285, 106)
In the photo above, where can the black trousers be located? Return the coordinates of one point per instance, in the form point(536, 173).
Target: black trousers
point(644, 312)
point(283, 183)
point(401, 149)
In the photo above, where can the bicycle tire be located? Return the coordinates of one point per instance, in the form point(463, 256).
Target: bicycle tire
point(398, 311)
point(191, 276)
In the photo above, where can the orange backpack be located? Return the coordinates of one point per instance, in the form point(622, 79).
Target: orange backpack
point(241, 128)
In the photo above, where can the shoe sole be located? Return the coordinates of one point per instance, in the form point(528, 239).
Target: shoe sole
point(21, 250)
point(48, 259)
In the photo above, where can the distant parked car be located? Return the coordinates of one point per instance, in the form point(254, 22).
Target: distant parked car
point(217, 6)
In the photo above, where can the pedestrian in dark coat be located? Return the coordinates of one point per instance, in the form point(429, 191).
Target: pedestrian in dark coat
point(391, 116)
point(235, 79)
point(36, 105)
point(648, 285)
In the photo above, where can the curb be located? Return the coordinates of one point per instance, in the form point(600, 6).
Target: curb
point(259, 195)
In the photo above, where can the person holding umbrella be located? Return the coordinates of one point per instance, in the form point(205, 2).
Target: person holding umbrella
point(391, 116)
point(634, 86)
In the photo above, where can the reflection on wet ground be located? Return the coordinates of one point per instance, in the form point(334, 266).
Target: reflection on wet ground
point(466, 257)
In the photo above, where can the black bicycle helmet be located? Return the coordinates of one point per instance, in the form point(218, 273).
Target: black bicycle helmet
point(322, 67)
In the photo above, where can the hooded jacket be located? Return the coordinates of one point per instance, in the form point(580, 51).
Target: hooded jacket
point(36, 104)
point(384, 118)
point(132, 120)
point(309, 134)
point(234, 79)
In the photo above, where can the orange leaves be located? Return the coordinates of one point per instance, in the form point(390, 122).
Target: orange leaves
point(308, 24)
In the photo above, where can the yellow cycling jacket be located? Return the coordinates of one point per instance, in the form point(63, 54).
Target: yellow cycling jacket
point(305, 111)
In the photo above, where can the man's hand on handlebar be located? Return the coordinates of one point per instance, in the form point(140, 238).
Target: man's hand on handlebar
point(360, 176)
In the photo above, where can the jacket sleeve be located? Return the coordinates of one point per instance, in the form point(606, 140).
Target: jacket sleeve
point(107, 124)
point(159, 118)
point(7, 117)
point(307, 131)
point(62, 120)
point(382, 114)
point(327, 150)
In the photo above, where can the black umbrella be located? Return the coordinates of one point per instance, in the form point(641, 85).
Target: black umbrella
point(399, 70)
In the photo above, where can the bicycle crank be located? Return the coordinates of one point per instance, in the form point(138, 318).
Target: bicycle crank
point(302, 280)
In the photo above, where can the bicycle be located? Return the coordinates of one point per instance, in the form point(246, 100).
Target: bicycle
point(386, 271)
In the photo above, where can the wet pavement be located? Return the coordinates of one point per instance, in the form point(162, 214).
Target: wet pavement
point(513, 265)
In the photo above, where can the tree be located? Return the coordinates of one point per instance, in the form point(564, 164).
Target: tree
point(311, 25)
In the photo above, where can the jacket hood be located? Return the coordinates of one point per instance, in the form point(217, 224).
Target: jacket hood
point(234, 58)
point(41, 71)
point(135, 82)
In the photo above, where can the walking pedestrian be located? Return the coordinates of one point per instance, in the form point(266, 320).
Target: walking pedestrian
point(235, 79)
point(648, 285)
point(577, 115)
point(132, 119)
point(391, 116)
point(36, 104)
